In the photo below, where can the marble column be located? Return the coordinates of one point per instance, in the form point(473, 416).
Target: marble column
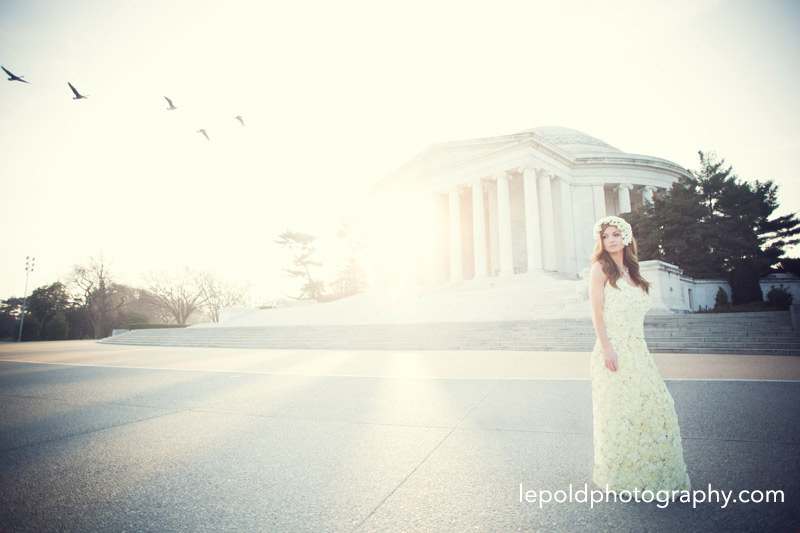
point(567, 227)
point(647, 194)
point(456, 270)
point(624, 192)
point(494, 228)
point(433, 255)
point(504, 219)
point(479, 231)
point(599, 196)
point(533, 230)
point(548, 228)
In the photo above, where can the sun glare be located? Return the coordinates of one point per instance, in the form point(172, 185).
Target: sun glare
point(402, 241)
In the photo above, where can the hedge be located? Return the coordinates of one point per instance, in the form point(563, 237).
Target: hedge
point(155, 326)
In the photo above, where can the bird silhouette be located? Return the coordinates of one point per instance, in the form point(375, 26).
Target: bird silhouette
point(204, 133)
point(171, 107)
point(240, 119)
point(12, 77)
point(78, 96)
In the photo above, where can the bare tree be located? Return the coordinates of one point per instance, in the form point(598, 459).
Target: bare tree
point(218, 293)
point(176, 293)
point(141, 309)
point(100, 297)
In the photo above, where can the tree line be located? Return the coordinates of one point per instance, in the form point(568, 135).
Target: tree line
point(91, 303)
point(712, 224)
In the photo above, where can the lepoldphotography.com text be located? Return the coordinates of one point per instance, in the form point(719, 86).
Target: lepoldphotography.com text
point(722, 498)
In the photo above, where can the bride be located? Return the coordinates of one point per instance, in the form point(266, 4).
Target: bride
point(637, 441)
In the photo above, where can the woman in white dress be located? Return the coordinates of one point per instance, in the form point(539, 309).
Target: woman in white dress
point(637, 441)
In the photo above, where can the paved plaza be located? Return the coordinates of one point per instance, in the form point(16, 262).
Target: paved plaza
point(100, 437)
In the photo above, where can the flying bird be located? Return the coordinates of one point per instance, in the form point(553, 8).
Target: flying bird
point(12, 77)
point(78, 96)
point(171, 107)
point(204, 133)
point(240, 119)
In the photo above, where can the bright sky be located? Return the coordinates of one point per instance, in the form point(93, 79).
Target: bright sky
point(335, 96)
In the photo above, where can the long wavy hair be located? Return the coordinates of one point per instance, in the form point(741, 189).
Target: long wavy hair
point(630, 260)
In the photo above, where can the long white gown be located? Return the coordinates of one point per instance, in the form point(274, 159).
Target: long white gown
point(637, 441)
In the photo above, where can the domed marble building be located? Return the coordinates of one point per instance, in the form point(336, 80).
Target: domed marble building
point(525, 202)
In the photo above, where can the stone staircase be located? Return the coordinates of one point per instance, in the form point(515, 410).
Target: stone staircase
point(767, 333)
point(522, 297)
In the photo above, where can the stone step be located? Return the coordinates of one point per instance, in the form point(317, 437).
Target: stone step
point(564, 324)
point(706, 334)
point(356, 337)
point(357, 332)
point(492, 346)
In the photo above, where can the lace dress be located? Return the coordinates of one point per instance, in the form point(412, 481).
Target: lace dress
point(637, 442)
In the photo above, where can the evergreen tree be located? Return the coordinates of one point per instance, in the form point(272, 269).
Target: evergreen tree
point(57, 328)
point(46, 302)
point(79, 323)
point(7, 325)
point(31, 328)
point(10, 311)
point(790, 265)
point(352, 278)
point(672, 229)
point(714, 225)
point(744, 280)
point(301, 246)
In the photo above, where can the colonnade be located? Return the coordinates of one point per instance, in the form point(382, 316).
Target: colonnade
point(516, 221)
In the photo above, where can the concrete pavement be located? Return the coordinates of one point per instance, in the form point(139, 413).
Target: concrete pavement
point(109, 438)
point(488, 364)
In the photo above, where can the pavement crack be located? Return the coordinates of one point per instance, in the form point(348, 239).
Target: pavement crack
point(428, 455)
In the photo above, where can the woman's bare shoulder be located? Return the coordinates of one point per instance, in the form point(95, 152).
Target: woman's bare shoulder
point(596, 272)
point(597, 266)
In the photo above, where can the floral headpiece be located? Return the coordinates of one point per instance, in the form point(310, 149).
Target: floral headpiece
point(623, 227)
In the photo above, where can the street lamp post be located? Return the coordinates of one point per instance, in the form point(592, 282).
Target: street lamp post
point(29, 261)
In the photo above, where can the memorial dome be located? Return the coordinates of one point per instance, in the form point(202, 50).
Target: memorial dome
point(573, 141)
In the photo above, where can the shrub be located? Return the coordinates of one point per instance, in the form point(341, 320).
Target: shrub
point(779, 297)
point(155, 326)
point(721, 299)
point(744, 281)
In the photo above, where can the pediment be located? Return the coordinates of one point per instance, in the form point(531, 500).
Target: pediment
point(440, 156)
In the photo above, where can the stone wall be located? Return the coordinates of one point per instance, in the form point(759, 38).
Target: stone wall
point(674, 292)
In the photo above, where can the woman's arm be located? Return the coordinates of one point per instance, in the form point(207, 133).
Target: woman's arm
point(597, 282)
